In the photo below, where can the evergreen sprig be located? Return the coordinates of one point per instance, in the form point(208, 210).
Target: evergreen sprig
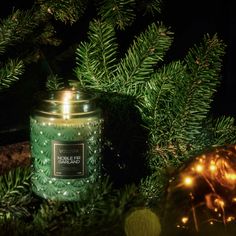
point(222, 131)
point(199, 86)
point(54, 82)
point(129, 75)
point(100, 53)
point(119, 13)
point(67, 11)
point(177, 99)
point(10, 73)
point(15, 28)
point(141, 58)
point(103, 208)
point(15, 194)
point(157, 99)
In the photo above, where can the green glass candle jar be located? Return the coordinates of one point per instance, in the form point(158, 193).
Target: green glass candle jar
point(65, 133)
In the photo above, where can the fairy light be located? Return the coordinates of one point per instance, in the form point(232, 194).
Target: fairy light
point(230, 218)
point(184, 220)
point(219, 202)
point(188, 181)
point(213, 167)
point(230, 176)
point(213, 176)
point(199, 168)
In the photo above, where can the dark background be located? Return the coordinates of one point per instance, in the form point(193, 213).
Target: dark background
point(189, 20)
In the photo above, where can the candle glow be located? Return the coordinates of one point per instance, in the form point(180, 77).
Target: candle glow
point(66, 105)
point(66, 145)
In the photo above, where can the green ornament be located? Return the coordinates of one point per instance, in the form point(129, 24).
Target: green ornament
point(142, 222)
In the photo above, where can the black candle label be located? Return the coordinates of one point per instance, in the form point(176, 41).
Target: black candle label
point(68, 159)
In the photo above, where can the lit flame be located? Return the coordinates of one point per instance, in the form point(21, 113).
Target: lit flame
point(66, 105)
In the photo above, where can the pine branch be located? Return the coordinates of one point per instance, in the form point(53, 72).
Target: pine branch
point(96, 60)
point(175, 106)
point(103, 40)
point(10, 73)
point(142, 57)
point(221, 131)
point(54, 82)
point(87, 70)
point(181, 105)
point(64, 10)
point(103, 208)
point(192, 102)
point(157, 98)
point(135, 69)
point(155, 193)
point(118, 13)
point(15, 193)
point(15, 28)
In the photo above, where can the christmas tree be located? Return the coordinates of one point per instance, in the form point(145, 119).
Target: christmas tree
point(156, 111)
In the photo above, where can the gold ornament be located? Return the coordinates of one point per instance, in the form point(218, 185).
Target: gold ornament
point(202, 196)
point(142, 222)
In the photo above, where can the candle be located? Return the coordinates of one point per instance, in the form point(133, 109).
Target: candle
point(65, 144)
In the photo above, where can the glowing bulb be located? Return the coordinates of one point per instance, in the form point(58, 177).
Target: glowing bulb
point(184, 220)
point(199, 168)
point(212, 167)
point(230, 218)
point(220, 202)
point(188, 181)
point(231, 176)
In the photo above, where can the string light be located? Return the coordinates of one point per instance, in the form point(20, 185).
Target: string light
point(230, 176)
point(213, 167)
point(188, 181)
point(230, 218)
point(199, 168)
point(213, 176)
point(184, 220)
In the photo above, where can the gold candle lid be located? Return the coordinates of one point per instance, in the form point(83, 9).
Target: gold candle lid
point(65, 104)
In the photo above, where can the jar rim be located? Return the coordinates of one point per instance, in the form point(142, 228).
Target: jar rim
point(57, 95)
point(73, 103)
